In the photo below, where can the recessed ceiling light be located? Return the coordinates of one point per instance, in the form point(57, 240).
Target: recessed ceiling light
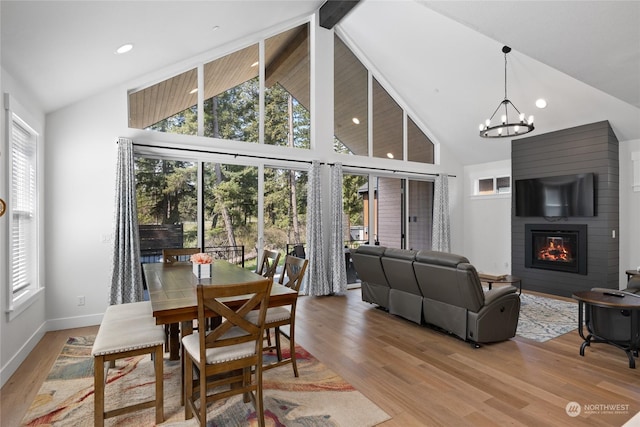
point(390, 155)
point(124, 48)
point(541, 103)
point(356, 120)
point(192, 91)
point(215, 28)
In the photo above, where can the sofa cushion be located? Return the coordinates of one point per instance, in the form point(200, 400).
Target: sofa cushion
point(406, 254)
point(440, 258)
point(371, 250)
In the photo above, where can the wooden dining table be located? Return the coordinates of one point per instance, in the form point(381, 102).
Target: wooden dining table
point(172, 291)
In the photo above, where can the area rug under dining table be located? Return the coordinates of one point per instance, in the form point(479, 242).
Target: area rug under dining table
point(319, 397)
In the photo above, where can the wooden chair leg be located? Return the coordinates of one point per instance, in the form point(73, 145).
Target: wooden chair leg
point(203, 398)
point(259, 402)
point(187, 387)
point(278, 347)
point(159, 368)
point(98, 386)
point(292, 350)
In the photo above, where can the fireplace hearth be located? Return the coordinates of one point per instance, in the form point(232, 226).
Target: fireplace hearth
point(558, 247)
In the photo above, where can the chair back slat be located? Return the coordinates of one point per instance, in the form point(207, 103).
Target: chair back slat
point(214, 301)
point(173, 255)
point(294, 269)
point(269, 263)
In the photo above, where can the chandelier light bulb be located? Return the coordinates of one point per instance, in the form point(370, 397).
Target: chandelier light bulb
point(521, 117)
point(530, 119)
point(500, 131)
point(516, 129)
point(503, 119)
point(481, 127)
point(487, 122)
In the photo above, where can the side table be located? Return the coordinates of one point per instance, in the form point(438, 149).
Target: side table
point(506, 280)
point(616, 301)
point(631, 273)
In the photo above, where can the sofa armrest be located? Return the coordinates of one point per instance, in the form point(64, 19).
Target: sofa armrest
point(495, 293)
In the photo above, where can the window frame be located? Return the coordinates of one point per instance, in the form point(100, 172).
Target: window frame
point(494, 192)
point(16, 304)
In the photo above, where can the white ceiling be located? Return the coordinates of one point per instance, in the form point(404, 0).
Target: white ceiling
point(442, 59)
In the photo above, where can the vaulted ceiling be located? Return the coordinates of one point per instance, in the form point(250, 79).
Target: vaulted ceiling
point(442, 60)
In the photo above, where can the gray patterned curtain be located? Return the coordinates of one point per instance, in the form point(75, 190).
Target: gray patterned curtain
point(316, 282)
point(336, 250)
point(126, 278)
point(441, 237)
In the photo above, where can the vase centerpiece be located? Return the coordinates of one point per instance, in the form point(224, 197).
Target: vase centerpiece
point(201, 263)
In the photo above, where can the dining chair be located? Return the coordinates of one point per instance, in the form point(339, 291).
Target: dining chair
point(291, 277)
point(269, 263)
point(222, 360)
point(173, 255)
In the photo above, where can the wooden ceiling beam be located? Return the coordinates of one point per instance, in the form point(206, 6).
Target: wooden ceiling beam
point(332, 11)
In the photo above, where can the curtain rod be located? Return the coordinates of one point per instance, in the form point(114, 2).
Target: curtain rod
point(256, 156)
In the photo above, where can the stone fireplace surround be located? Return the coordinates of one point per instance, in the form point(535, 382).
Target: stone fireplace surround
point(583, 149)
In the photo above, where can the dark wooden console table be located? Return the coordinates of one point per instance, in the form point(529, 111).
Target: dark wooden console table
point(609, 300)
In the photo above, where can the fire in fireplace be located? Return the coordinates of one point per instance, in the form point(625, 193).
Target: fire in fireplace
point(556, 247)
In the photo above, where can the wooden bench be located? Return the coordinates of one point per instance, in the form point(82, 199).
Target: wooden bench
point(127, 330)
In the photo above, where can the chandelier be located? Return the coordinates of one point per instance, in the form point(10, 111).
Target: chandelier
point(505, 127)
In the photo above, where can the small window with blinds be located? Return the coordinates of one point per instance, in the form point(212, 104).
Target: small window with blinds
point(23, 210)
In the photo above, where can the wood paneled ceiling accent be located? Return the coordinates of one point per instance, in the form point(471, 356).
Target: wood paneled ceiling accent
point(287, 58)
point(350, 99)
point(162, 100)
point(419, 146)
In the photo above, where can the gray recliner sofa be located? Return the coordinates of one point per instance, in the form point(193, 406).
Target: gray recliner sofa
point(439, 289)
point(368, 264)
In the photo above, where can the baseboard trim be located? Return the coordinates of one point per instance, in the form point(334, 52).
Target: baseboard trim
point(74, 322)
point(14, 363)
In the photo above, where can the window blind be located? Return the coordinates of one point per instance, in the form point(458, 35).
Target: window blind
point(23, 208)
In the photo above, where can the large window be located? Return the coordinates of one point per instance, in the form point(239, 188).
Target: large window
point(360, 99)
point(23, 211)
point(228, 225)
point(166, 192)
point(231, 106)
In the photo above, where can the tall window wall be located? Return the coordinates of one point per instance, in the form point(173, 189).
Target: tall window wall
point(360, 99)
point(262, 94)
point(232, 106)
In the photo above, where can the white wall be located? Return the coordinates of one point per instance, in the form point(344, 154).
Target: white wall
point(19, 335)
point(487, 221)
point(629, 209)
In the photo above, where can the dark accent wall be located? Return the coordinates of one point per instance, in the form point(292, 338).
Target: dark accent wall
point(588, 148)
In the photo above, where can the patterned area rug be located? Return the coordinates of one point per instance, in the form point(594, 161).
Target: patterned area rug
point(319, 397)
point(542, 319)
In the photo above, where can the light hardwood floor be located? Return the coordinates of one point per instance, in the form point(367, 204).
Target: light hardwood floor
point(421, 377)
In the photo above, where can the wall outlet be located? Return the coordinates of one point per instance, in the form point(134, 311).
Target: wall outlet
point(81, 300)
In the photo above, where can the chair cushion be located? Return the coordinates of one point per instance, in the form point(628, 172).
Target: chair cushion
point(222, 354)
point(274, 314)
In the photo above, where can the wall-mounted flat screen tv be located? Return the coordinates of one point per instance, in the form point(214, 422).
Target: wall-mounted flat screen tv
point(556, 196)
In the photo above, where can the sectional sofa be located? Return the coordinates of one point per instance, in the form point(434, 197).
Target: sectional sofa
point(438, 289)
